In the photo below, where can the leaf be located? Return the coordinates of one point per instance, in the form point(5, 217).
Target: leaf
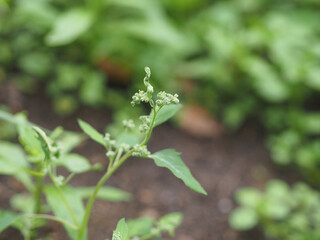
point(165, 113)
point(110, 194)
point(121, 232)
point(140, 226)
point(243, 218)
point(75, 163)
point(28, 139)
point(7, 218)
point(91, 132)
point(69, 140)
point(170, 222)
point(22, 202)
point(250, 197)
point(13, 154)
point(170, 159)
point(59, 208)
point(69, 26)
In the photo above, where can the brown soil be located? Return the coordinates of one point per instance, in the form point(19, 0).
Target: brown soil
point(222, 166)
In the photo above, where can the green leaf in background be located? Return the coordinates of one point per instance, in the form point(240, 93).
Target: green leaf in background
point(69, 26)
point(22, 202)
point(59, 208)
point(109, 194)
point(248, 196)
point(91, 132)
point(170, 159)
point(121, 232)
point(69, 140)
point(165, 113)
point(243, 218)
point(75, 163)
point(170, 222)
point(140, 226)
point(7, 218)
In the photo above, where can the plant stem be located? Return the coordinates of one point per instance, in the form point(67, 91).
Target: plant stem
point(37, 194)
point(111, 169)
point(103, 179)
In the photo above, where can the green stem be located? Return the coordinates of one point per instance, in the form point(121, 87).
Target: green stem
point(146, 139)
point(111, 169)
point(103, 179)
point(37, 194)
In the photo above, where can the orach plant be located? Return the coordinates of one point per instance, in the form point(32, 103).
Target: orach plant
point(45, 152)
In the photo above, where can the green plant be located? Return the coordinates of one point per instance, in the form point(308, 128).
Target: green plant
point(283, 213)
point(46, 152)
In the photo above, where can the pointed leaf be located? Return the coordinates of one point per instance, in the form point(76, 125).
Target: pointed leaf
point(121, 232)
point(170, 159)
point(91, 132)
point(165, 113)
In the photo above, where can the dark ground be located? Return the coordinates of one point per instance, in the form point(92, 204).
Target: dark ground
point(221, 165)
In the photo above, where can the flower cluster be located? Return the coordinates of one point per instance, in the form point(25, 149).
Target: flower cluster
point(164, 98)
point(140, 151)
point(145, 125)
point(128, 124)
point(143, 96)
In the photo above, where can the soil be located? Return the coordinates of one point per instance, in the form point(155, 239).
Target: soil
point(221, 165)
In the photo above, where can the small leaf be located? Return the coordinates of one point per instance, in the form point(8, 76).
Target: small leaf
point(243, 218)
point(121, 232)
point(140, 226)
point(7, 218)
point(109, 194)
point(165, 113)
point(91, 132)
point(69, 26)
point(170, 222)
point(170, 159)
point(75, 163)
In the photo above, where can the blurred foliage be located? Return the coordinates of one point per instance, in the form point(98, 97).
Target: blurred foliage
point(242, 59)
point(284, 213)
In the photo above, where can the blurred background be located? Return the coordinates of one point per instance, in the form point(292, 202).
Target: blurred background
point(247, 72)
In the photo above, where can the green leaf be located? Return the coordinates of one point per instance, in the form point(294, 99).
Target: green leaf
point(22, 202)
point(243, 218)
point(165, 113)
point(248, 197)
point(7, 218)
point(91, 132)
point(170, 222)
point(121, 232)
point(28, 139)
point(13, 154)
point(69, 26)
point(140, 226)
point(70, 140)
point(59, 208)
point(75, 163)
point(109, 194)
point(170, 159)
